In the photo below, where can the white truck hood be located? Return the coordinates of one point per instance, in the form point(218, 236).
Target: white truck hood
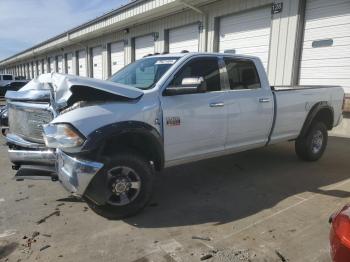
point(62, 86)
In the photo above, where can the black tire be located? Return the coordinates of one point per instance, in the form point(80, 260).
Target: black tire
point(312, 146)
point(112, 209)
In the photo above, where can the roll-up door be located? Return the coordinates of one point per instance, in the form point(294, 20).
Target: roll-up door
point(325, 56)
point(69, 64)
point(247, 33)
point(52, 64)
point(184, 38)
point(117, 56)
point(59, 64)
point(96, 57)
point(144, 45)
point(82, 63)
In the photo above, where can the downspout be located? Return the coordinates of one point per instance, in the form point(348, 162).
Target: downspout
point(205, 21)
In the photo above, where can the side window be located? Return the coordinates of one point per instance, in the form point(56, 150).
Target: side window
point(242, 74)
point(208, 68)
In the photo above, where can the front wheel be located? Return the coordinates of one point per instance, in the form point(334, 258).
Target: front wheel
point(127, 186)
point(312, 146)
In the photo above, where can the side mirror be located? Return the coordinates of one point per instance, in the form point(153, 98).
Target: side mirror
point(190, 85)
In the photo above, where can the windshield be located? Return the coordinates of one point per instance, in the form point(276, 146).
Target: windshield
point(144, 73)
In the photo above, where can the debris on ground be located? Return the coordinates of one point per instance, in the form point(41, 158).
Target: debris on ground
point(44, 247)
point(46, 235)
point(55, 213)
point(21, 199)
point(85, 209)
point(201, 238)
point(207, 256)
point(283, 259)
point(60, 204)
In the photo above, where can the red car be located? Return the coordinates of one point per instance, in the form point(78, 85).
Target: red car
point(340, 235)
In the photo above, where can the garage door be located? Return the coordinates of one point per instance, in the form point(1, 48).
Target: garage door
point(247, 33)
point(326, 47)
point(52, 64)
point(35, 69)
point(40, 67)
point(143, 46)
point(184, 38)
point(59, 64)
point(82, 63)
point(69, 64)
point(97, 62)
point(117, 56)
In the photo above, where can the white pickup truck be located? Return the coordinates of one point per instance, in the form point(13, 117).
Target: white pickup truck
point(106, 139)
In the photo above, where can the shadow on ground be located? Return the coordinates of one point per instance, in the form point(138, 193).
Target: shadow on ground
point(226, 189)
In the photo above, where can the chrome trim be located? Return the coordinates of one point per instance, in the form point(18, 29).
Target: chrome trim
point(29, 95)
point(19, 141)
point(32, 156)
point(75, 174)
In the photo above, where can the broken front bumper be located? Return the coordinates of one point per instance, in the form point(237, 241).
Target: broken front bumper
point(75, 174)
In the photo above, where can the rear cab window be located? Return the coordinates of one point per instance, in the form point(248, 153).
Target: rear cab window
point(242, 74)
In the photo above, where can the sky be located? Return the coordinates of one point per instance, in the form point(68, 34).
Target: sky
point(24, 23)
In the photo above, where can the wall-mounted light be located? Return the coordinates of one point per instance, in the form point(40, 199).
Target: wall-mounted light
point(200, 26)
point(126, 31)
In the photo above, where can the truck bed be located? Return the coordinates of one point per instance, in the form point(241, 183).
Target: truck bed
point(293, 104)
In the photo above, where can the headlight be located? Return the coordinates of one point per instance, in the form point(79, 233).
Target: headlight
point(61, 136)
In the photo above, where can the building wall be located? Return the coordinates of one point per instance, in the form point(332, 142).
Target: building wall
point(283, 60)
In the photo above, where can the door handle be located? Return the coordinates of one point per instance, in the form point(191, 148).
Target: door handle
point(217, 104)
point(264, 100)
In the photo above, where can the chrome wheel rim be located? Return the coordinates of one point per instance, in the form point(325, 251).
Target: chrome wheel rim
point(124, 185)
point(317, 142)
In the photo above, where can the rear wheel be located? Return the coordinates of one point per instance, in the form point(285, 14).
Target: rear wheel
point(127, 187)
point(312, 146)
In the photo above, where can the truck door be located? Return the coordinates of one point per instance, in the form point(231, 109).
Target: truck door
point(249, 105)
point(195, 124)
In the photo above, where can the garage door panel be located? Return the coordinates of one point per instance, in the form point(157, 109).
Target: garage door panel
point(331, 10)
point(332, 21)
point(326, 65)
point(97, 71)
point(326, 53)
point(247, 17)
point(344, 61)
point(327, 32)
point(184, 38)
point(143, 46)
point(69, 64)
point(117, 57)
point(247, 33)
point(82, 63)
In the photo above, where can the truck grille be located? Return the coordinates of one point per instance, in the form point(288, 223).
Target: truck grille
point(27, 122)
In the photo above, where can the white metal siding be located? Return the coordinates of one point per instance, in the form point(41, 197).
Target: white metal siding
point(97, 62)
point(35, 69)
point(247, 33)
point(328, 65)
point(82, 63)
point(144, 45)
point(69, 64)
point(184, 38)
point(117, 56)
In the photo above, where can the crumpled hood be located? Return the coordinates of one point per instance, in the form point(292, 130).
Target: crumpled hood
point(62, 85)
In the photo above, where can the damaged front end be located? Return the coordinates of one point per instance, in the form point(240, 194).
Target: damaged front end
point(37, 104)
